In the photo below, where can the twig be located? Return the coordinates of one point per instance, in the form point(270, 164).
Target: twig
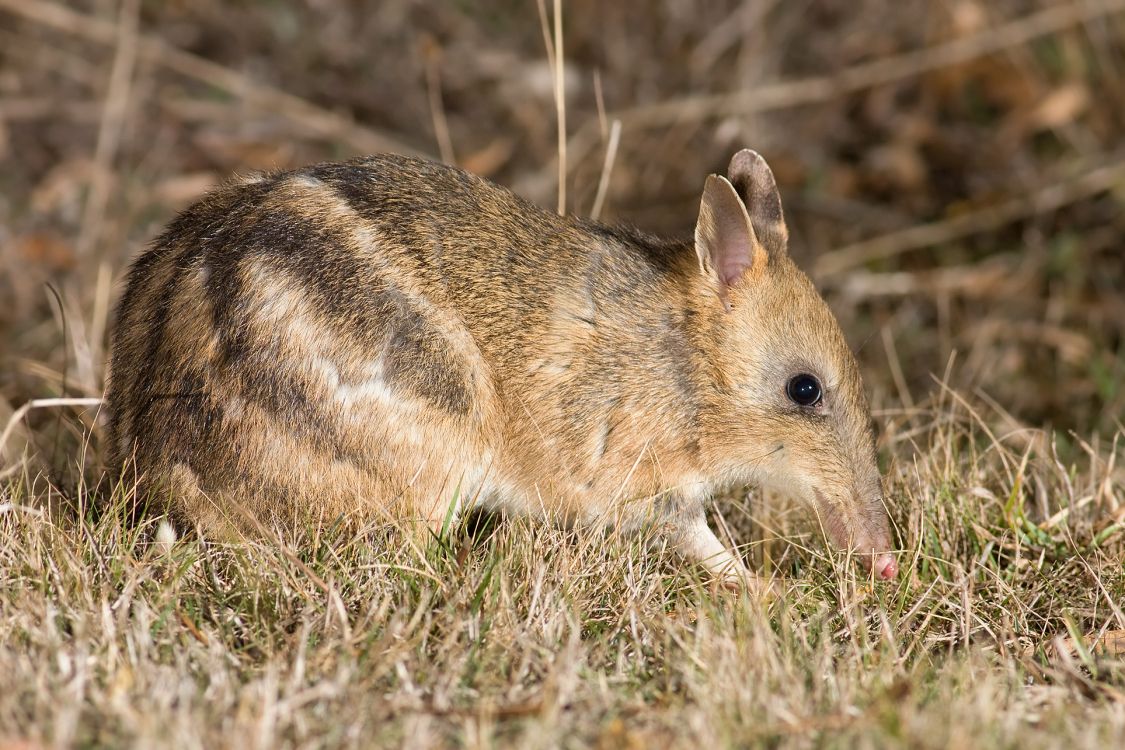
point(309, 116)
point(112, 122)
point(67, 63)
point(1049, 198)
point(876, 72)
point(813, 89)
point(993, 278)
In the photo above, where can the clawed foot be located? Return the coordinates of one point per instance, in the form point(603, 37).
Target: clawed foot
point(697, 542)
point(758, 587)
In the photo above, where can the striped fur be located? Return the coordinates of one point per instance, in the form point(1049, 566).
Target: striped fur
point(374, 338)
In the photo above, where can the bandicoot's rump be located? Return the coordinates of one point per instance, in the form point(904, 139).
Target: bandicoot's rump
point(387, 336)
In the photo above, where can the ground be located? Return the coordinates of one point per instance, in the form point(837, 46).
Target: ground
point(953, 179)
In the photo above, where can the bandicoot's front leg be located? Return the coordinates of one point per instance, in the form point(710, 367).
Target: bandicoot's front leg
point(697, 542)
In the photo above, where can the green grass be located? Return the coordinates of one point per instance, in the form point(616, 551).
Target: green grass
point(1000, 633)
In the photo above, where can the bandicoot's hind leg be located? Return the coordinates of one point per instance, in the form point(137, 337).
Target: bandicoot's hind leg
point(435, 500)
point(382, 470)
point(421, 503)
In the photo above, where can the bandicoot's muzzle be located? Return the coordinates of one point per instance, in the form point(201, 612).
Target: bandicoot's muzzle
point(883, 564)
point(868, 537)
point(872, 552)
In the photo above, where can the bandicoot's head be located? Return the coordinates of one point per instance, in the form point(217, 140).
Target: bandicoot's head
point(795, 417)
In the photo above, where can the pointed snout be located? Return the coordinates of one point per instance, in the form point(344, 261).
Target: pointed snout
point(874, 556)
point(867, 534)
point(885, 566)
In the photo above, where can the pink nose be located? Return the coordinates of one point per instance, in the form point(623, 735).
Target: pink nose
point(885, 566)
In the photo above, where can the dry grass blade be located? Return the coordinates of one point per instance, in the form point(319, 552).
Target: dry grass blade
point(109, 132)
point(437, 106)
point(560, 102)
point(553, 42)
point(529, 634)
point(39, 403)
point(1039, 202)
point(607, 169)
point(935, 139)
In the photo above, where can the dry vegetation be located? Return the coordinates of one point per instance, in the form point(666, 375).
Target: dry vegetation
point(954, 177)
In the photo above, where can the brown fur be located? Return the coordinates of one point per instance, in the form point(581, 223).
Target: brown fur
point(378, 337)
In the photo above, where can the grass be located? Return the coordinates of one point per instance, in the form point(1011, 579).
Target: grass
point(1005, 630)
point(952, 178)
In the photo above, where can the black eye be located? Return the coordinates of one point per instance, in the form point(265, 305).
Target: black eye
point(804, 389)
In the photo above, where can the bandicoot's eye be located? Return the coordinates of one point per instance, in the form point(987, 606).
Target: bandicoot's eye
point(804, 390)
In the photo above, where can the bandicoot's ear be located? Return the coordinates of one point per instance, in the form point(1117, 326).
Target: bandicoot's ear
point(724, 236)
point(754, 182)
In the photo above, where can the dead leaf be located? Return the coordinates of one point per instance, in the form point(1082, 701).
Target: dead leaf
point(968, 18)
point(897, 166)
point(184, 188)
point(488, 160)
point(46, 250)
point(1061, 107)
point(246, 153)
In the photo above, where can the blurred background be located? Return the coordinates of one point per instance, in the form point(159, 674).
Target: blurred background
point(953, 171)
